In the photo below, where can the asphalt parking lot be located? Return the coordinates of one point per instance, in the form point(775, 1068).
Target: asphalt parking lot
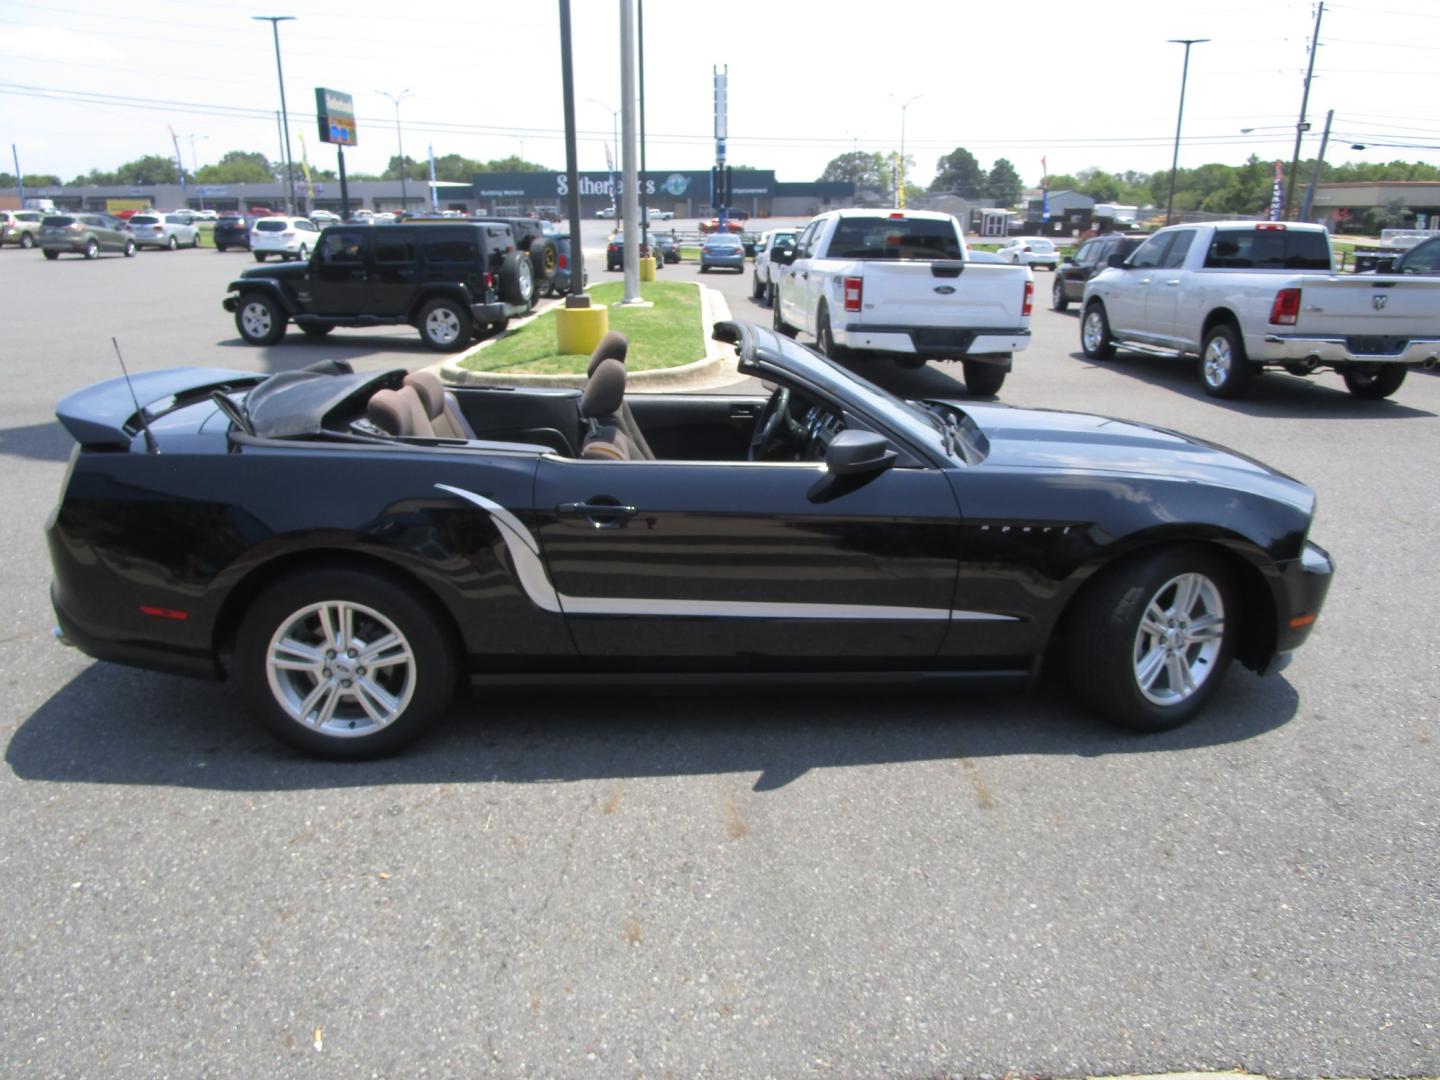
point(730, 883)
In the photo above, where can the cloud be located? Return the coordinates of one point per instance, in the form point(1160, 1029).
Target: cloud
point(58, 43)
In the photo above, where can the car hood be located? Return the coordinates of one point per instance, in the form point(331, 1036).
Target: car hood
point(284, 270)
point(1066, 441)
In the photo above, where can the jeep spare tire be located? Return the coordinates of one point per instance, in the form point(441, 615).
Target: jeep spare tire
point(517, 278)
point(544, 260)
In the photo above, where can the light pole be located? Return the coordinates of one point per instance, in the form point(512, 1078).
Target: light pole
point(400, 140)
point(615, 144)
point(900, 184)
point(1175, 160)
point(195, 162)
point(275, 21)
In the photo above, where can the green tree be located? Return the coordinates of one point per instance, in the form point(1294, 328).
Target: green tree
point(412, 169)
point(1392, 215)
point(512, 164)
point(859, 167)
point(240, 167)
point(1003, 184)
point(958, 171)
point(32, 180)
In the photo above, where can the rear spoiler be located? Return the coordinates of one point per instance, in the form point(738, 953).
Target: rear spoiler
point(104, 414)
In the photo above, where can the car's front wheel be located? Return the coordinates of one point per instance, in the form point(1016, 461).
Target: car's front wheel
point(1373, 383)
point(259, 256)
point(259, 319)
point(445, 325)
point(52, 255)
point(757, 289)
point(92, 249)
point(173, 244)
point(777, 321)
point(129, 249)
point(27, 241)
point(1095, 341)
point(344, 664)
point(1152, 638)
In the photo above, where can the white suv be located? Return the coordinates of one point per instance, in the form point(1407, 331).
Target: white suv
point(283, 236)
point(164, 231)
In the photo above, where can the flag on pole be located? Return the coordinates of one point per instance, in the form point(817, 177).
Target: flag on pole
point(1277, 194)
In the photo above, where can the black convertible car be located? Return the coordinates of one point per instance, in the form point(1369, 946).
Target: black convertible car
point(349, 546)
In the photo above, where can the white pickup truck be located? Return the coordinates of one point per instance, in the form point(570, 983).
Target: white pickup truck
point(900, 282)
point(1245, 295)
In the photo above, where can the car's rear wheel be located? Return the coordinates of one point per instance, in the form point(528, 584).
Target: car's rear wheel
point(1373, 383)
point(92, 249)
point(129, 249)
point(259, 256)
point(445, 325)
point(825, 337)
point(259, 319)
point(1058, 300)
point(220, 247)
point(757, 289)
point(195, 240)
point(304, 253)
point(173, 244)
point(983, 380)
point(1151, 639)
point(344, 664)
point(1225, 370)
point(52, 255)
point(27, 241)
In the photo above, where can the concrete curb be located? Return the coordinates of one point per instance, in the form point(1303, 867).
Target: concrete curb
point(720, 362)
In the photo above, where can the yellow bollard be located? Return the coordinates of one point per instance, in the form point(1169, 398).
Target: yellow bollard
point(579, 330)
point(647, 269)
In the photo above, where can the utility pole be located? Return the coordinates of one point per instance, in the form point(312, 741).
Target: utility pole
point(1179, 119)
point(1301, 125)
point(1315, 174)
point(275, 21)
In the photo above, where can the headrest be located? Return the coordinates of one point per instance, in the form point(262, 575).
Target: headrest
point(605, 392)
point(432, 392)
point(613, 346)
point(397, 412)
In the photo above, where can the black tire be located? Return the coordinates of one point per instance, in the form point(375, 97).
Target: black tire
point(304, 253)
point(825, 337)
point(612, 266)
point(1095, 340)
point(1115, 643)
point(221, 248)
point(129, 249)
point(517, 279)
point(92, 249)
point(445, 325)
point(51, 255)
point(770, 294)
point(1225, 370)
point(415, 683)
point(259, 256)
point(315, 330)
point(260, 319)
point(1058, 302)
point(1373, 384)
point(757, 290)
point(544, 260)
point(195, 240)
point(27, 241)
point(172, 243)
point(780, 326)
point(983, 380)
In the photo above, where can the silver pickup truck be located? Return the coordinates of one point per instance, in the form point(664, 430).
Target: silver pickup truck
point(900, 282)
point(1244, 296)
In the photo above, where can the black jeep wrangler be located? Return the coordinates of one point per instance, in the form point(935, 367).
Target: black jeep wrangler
point(451, 280)
point(534, 236)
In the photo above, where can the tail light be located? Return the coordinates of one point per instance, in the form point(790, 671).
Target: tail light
point(1029, 303)
point(564, 263)
point(489, 280)
point(1286, 308)
point(1270, 226)
point(854, 291)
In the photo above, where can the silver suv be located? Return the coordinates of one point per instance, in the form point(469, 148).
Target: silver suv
point(21, 227)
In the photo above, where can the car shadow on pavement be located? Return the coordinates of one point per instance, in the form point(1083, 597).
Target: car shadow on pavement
point(1274, 393)
point(116, 725)
point(295, 350)
point(36, 442)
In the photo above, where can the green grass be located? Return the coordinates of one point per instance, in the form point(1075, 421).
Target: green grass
point(666, 335)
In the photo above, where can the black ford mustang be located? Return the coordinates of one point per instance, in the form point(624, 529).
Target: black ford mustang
point(349, 546)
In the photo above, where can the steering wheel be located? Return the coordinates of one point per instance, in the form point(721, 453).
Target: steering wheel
point(775, 416)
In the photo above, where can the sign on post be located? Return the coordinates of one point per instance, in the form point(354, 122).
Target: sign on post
point(336, 112)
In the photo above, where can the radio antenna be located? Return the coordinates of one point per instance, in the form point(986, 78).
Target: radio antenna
point(150, 444)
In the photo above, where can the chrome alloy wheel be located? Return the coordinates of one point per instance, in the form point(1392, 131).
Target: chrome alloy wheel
point(257, 319)
point(1093, 332)
point(442, 326)
point(341, 669)
point(1219, 360)
point(1179, 639)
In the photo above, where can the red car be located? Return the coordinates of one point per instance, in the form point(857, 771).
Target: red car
point(733, 225)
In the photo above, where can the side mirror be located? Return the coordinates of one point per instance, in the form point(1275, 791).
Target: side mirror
point(783, 255)
point(858, 453)
point(1117, 261)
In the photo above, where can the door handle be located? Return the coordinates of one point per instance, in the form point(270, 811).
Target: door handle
point(1173, 284)
point(602, 515)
